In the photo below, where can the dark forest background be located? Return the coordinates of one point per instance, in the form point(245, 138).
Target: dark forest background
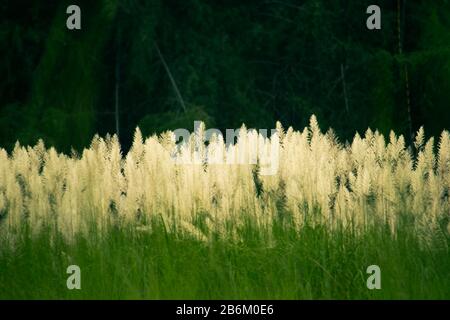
point(161, 64)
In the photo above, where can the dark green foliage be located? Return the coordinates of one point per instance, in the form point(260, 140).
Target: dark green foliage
point(157, 123)
point(232, 62)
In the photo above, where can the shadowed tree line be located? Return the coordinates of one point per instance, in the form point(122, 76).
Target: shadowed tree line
point(163, 64)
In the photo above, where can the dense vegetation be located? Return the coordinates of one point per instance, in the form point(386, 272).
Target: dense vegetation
point(232, 62)
point(141, 225)
point(147, 225)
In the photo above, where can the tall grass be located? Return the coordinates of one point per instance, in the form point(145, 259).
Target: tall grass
point(312, 264)
point(144, 225)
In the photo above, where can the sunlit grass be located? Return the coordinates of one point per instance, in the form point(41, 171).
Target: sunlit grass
point(144, 226)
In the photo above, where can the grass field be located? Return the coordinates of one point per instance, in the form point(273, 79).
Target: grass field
point(141, 226)
point(312, 264)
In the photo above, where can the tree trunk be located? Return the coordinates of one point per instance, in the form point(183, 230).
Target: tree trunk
point(117, 86)
point(401, 22)
point(344, 88)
